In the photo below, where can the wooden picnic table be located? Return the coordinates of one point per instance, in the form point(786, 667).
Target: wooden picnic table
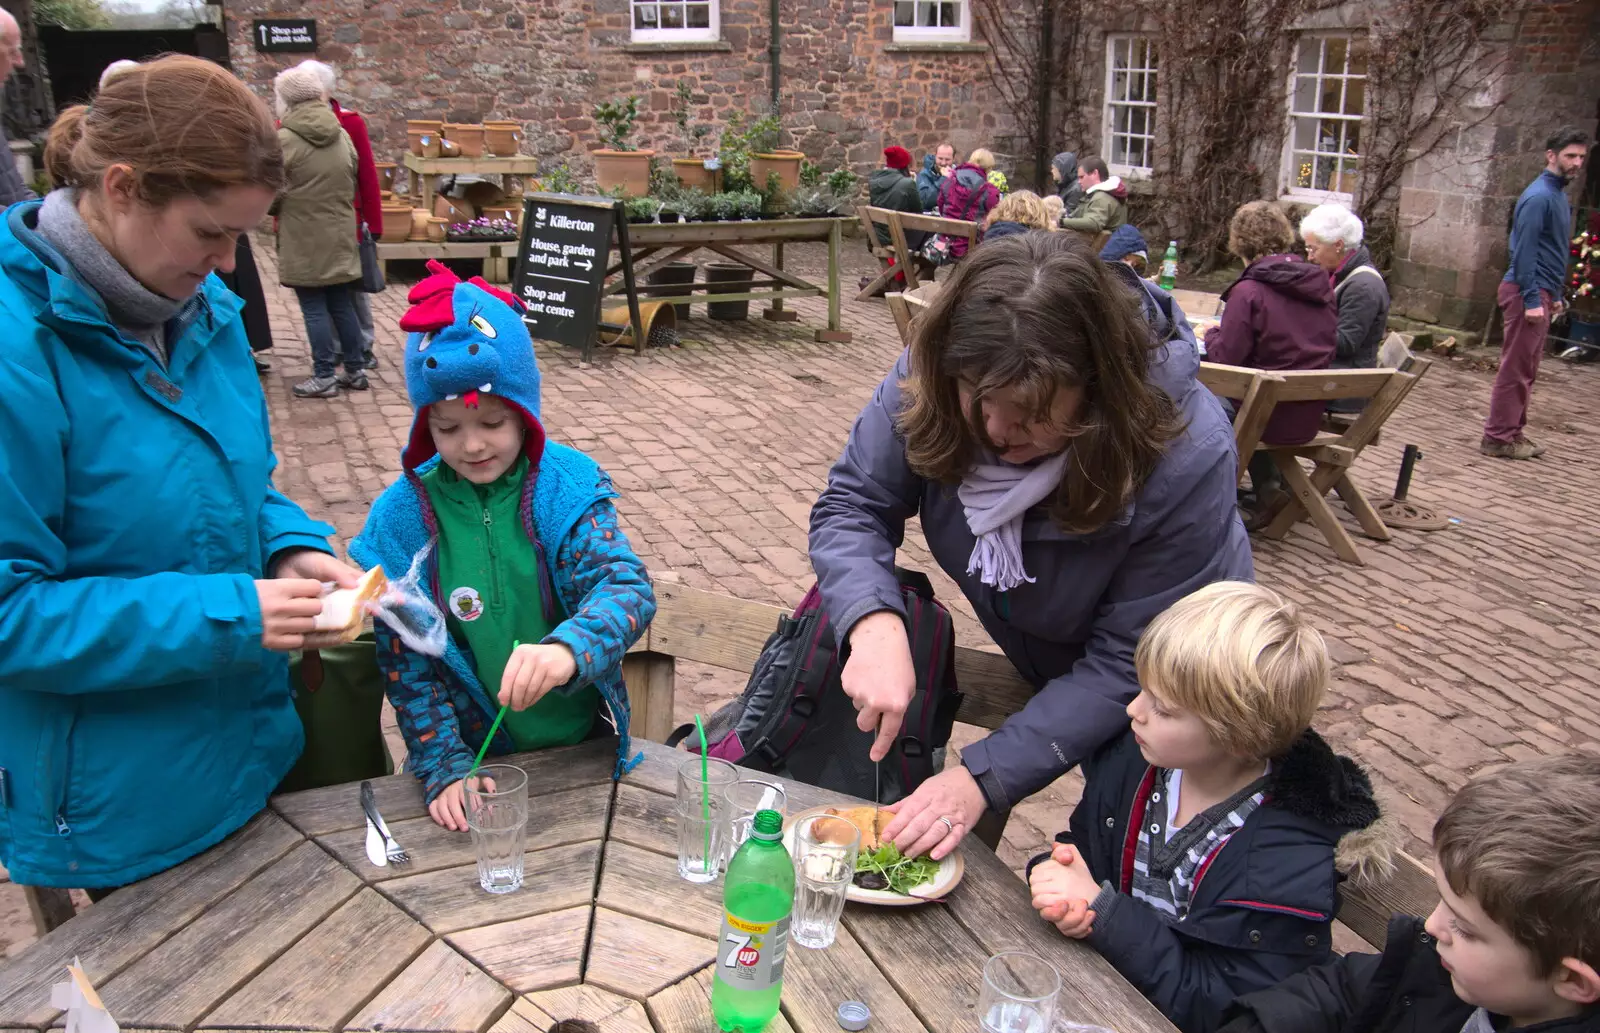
point(656, 244)
point(286, 926)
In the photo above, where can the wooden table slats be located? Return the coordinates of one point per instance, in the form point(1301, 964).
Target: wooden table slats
point(285, 926)
point(534, 953)
point(440, 992)
point(337, 967)
point(113, 934)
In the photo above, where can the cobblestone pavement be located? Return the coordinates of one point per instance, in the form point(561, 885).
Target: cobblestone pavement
point(1456, 650)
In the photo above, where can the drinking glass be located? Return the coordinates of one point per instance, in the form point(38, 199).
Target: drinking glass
point(824, 863)
point(701, 810)
point(744, 798)
point(1019, 994)
point(497, 814)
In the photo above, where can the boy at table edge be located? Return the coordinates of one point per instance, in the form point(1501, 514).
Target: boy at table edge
point(1514, 942)
point(1201, 859)
point(541, 591)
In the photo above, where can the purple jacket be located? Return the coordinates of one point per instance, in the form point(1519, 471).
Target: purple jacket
point(1072, 632)
point(1280, 315)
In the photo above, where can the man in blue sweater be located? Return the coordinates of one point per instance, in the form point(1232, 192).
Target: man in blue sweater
point(1530, 295)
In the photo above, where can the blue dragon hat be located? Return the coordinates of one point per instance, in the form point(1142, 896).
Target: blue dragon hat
point(467, 338)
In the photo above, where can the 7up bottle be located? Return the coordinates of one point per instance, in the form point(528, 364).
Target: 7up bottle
point(758, 895)
point(1169, 267)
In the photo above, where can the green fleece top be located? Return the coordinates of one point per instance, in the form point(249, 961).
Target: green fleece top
point(489, 575)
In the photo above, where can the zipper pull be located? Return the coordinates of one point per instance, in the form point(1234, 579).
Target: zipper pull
point(62, 828)
point(488, 520)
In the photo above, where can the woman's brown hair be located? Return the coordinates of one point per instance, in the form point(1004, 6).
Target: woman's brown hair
point(1259, 228)
point(185, 126)
point(1038, 312)
point(1022, 206)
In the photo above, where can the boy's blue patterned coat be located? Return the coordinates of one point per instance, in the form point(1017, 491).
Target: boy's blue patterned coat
point(465, 338)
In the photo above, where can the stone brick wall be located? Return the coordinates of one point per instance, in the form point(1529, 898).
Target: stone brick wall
point(1451, 252)
point(847, 90)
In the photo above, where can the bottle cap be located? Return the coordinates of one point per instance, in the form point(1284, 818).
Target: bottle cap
point(767, 825)
point(853, 1015)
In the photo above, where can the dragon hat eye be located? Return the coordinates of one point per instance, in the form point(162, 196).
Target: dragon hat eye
point(484, 327)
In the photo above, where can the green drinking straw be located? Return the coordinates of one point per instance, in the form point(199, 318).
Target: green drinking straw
point(492, 729)
point(705, 787)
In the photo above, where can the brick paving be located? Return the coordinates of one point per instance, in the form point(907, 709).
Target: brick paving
point(1456, 650)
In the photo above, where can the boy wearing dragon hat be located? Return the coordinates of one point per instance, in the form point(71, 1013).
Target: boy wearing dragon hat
point(540, 590)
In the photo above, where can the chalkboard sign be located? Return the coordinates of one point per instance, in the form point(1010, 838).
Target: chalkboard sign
point(561, 265)
point(286, 35)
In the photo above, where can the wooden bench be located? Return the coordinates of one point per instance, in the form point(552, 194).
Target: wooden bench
point(728, 633)
point(888, 262)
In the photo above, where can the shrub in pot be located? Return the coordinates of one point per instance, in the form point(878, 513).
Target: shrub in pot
point(619, 163)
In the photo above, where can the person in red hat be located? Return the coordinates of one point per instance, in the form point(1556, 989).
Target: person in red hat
point(894, 187)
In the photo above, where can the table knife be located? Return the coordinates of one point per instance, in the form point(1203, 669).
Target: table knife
point(375, 850)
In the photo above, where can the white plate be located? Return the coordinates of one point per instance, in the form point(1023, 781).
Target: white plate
point(951, 869)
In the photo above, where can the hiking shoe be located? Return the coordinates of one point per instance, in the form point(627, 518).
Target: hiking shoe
point(1538, 449)
point(372, 361)
point(317, 387)
point(356, 381)
point(1509, 449)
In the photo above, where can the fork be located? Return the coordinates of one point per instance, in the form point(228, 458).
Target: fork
point(391, 846)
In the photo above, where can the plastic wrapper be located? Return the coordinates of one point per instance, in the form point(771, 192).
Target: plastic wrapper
point(408, 609)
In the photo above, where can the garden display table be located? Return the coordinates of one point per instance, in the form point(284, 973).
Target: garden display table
point(287, 926)
point(656, 244)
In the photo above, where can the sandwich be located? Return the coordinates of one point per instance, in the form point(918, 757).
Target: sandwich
point(344, 610)
point(869, 821)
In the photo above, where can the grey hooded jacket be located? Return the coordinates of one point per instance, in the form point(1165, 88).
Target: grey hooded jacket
point(1072, 632)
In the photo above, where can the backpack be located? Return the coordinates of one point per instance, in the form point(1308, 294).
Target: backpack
point(794, 720)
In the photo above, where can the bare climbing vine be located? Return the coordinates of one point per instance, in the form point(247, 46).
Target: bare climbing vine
point(1433, 74)
point(1013, 31)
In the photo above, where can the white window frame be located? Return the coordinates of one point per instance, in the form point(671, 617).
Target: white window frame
point(1152, 66)
point(942, 34)
point(1289, 172)
point(711, 34)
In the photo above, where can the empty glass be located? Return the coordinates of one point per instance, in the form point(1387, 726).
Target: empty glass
point(1019, 994)
point(497, 814)
point(701, 813)
point(824, 864)
point(744, 798)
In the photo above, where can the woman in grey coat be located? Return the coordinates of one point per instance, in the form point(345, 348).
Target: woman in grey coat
point(1071, 475)
point(1332, 234)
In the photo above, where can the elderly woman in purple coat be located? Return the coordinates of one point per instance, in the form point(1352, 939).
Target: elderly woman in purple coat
point(1070, 474)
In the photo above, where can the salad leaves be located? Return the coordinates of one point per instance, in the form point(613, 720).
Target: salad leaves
point(903, 874)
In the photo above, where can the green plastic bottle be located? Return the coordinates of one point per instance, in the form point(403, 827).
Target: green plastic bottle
point(757, 898)
point(1169, 267)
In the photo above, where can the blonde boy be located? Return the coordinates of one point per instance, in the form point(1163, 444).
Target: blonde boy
point(1514, 943)
point(1200, 860)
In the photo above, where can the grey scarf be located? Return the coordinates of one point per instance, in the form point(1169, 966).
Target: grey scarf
point(995, 495)
point(133, 308)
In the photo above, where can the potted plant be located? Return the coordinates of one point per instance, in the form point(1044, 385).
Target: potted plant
point(747, 204)
point(725, 207)
point(641, 209)
point(482, 229)
point(733, 154)
point(560, 181)
point(693, 205)
point(767, 158)
point(841, 183)
point(693, 171)
point(774, 199)
point(618, 163)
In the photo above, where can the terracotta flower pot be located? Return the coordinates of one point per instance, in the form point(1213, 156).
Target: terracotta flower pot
point(692, 173)
point(448, 148)
point(502, 138)
point(426, 124)
point(453, 209)
point(436, 229)
point(419, 224)
point(469, 137)
point(629, 170)
point(396, 223)
point(386, 170)
point(424, 142)
point(785, 163)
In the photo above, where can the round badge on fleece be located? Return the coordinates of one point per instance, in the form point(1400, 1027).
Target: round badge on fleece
point(466, 604)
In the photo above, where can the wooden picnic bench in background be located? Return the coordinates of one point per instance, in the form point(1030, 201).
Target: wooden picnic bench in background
point(904, 259)
point(1331, 453)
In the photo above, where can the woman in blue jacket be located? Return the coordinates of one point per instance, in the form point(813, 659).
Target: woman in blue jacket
point(151, 578)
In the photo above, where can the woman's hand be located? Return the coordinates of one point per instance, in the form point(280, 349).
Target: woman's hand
point(533, 671)
point(916, 829)
point(289, 608)
point(315, 565)
point(879, 677)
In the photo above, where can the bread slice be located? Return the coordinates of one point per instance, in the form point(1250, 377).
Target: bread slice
point(870, 821)
point(344, 610)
